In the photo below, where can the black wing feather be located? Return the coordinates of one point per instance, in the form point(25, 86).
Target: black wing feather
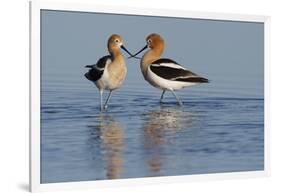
point(164, 60)
point(170, 73)
point(94, 74)
point(96, 71)
point(102, 61)
point(175, 74)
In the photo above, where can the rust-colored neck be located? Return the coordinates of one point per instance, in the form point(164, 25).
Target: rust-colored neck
point(153, 54)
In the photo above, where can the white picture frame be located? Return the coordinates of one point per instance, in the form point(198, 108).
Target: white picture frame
point(36, 6)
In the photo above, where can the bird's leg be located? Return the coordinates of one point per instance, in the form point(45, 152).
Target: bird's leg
point(105, 105)
point(101, 105)
point(162, 96)
point(179, 101)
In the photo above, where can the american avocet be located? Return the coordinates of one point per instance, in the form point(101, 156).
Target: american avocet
point(164, 73)
point(110, 71)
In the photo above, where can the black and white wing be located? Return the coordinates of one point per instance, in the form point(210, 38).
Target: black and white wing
point(96, 70)
point(171, 70)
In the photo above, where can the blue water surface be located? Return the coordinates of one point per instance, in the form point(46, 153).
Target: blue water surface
point(139, 137)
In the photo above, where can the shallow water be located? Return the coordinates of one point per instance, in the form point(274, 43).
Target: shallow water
point(139, 137)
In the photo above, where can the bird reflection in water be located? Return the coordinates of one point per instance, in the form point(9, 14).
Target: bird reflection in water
point(112, 136)
point(160, 129)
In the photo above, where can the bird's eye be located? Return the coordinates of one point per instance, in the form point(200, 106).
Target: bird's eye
point(116, 40)
point(149, 41)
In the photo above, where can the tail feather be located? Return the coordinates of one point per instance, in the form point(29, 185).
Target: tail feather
point(195, 79)
point(90, 66)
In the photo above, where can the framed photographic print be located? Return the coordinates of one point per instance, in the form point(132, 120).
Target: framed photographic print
point(125, 96)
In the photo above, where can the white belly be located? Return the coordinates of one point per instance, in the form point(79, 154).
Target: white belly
point(165, 84)
point(106, 83)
